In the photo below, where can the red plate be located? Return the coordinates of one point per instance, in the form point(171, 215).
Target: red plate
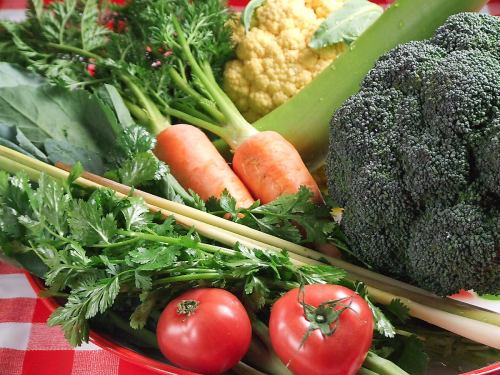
point(155, 367)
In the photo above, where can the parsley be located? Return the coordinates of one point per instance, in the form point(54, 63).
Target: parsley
point(292, 217)
point(101, 250)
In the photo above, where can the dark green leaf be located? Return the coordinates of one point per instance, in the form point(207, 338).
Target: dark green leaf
point(413, 358)
point(67, 153)
point(142, 281)
point(399, 310)
point(113, 99)
point(346, 24)
point(45, 112)
point(154, 257)
point(247, 15)
point(382, 324)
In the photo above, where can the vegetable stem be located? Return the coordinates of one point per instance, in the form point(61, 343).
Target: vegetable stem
point(144, 336)
point(205, 103)
point(75, 50)
point(238, 128)
point(157, 123)
point(176, 241)
point(382, 366)
point(199, 276)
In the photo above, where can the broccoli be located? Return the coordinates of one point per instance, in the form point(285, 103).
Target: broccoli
point(414, 159)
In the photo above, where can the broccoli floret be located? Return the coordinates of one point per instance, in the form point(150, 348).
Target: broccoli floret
point(414, 159)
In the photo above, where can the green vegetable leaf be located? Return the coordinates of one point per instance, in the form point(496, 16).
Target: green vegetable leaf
point(84, 303)
point(247, 15)
point(70, 154)
point(399, 310)
point(136, 214)
point(49, 112)
point(142, 168)
point(51, 202)
point(346, 24)
point(14, 138)
point(13, 75)
point(89, 225)
point(135, 140)
point(75, 173)
point(154, 257)
point(413, 358)
point(110, 95)
point(92, 31)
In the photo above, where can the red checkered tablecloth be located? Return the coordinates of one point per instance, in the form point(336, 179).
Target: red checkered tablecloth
point(29, 347)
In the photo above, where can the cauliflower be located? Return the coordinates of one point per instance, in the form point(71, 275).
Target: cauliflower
point(274, 61)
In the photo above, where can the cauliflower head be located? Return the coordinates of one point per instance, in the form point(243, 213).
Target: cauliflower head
point(274, 61)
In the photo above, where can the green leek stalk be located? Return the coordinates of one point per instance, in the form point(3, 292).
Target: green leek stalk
point(304, 119)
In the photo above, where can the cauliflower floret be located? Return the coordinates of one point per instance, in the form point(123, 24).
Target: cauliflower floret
point(274, 61)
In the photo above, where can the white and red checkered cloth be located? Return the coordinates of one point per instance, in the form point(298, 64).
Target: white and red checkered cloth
point(29, 347)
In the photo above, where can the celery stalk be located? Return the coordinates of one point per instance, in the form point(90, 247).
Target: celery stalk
point(304, 119)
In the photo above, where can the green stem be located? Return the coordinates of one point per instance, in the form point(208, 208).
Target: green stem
point(157, 122)
point(191, 111)
point(75, 50)
point(265, 360)
point(191, 277)
point(139, 113)
point(365, 371)
point(238, 129)
point(217, 130)
point(203, 102)
point(244, 369)
point(382, 366)
point(178, 241)
point(262, 332)
point(146, 337)
point(117, 244)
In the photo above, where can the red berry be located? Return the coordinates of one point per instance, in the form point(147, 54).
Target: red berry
point(91, 69)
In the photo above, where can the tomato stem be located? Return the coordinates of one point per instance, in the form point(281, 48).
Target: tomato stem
point(187, 307)
point(325, 317)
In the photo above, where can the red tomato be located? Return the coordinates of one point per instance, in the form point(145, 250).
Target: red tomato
point(340, 353)
point(204, 330)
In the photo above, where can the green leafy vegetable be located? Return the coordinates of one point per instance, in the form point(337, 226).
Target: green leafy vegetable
point(97, 247)
point(13, 75)
point(399, 310)
point(285, 217)
point(346, 24)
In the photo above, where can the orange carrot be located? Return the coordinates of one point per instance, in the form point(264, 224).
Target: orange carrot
point(196, 164)
point(270, 166)
point(267, 163)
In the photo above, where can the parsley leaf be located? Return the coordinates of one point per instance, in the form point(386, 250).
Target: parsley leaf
point(88, 225)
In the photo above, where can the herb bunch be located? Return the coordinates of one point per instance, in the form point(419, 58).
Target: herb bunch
point(76, 43)
point(92, 246)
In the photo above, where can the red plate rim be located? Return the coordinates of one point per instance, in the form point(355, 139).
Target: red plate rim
point(124, 353)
